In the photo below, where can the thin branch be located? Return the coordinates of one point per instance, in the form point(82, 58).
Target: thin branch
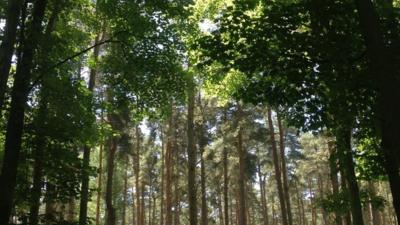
point(70, 58)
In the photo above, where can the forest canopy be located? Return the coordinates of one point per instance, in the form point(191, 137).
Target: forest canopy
point(199, 112)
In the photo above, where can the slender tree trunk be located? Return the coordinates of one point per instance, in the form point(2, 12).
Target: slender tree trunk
point(284, 172)
point(99, 185)
point(125, 191)
point(226, 182)
point(142, 204)
point(242, 166)
point(7, 45)
point(204, 208)
point(137, 177)
point(343, 139)
point(300, 215)
point(220, 211)
point(111, 217)
point(312, 206)
point(191, 151)
point(162, 178)
point(277, 168)
point(176, 182)
point(333, 166)
point(39, 155)
point(168, 171)
point(382, 65)
point(15, 125)
point(262, 195)
point(86, 149)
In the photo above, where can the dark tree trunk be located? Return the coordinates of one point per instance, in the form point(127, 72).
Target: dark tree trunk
point(333, 166)
point(284, 172)
point(261, 182)
point(382, 65)
point(343, 139)
point(137, 174)
point(86, 149)
point(168, 170)
point(162, 178)
point(109, 188)
point(36, 191)
point(99, 185)
point(277, 168)
point(7, 45)
point(202, 144)
point(191, 151)
point(125, 191)
point(226, 182)
point(242, 166)
point(15, 125)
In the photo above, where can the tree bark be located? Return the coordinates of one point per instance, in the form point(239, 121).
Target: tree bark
point(343, 138)
point(226, 181)
point(86, 149)
point(7, 45)
point(242, 166)
point(137, 177)
point(168, 171)
point(125, 202)
point(111, 217)
point(99, 185)
point(333, 167)
point(39, 154)
point(261, 183)
point(382, 65)
point(191, 152)
point(284, 171)
point(277, 168)
point(202, 143)
point(15, 125)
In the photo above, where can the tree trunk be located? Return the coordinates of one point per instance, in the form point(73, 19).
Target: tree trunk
point(142, 205)
point(168, 171)
point(312, 206)
point(15, 125)
point(375, 213)
point(125, 202)
point(109, 188)
point(343, 139)
point(86, 149)
point(7, 45)
point(284, 172)
point(99, 185)
point(162, 178)
point(137, 177)
point(39, 154)
point(191, 152)
point(204, 208)
point(277, 168)
point(261, 183)
point(242, 167)
point(333, 167)
point(226, 182)
point(382, 65)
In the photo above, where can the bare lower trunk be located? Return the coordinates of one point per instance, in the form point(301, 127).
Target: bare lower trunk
point(284, 171)
point(277, 168)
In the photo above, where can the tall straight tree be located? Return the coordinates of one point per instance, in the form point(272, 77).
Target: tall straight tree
point(7, 45)
point(383, 66)
point(277, 166)
point(284, 170)
point(191, 151)
point(242, 218)
point(86, 149)
point(15, 123)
